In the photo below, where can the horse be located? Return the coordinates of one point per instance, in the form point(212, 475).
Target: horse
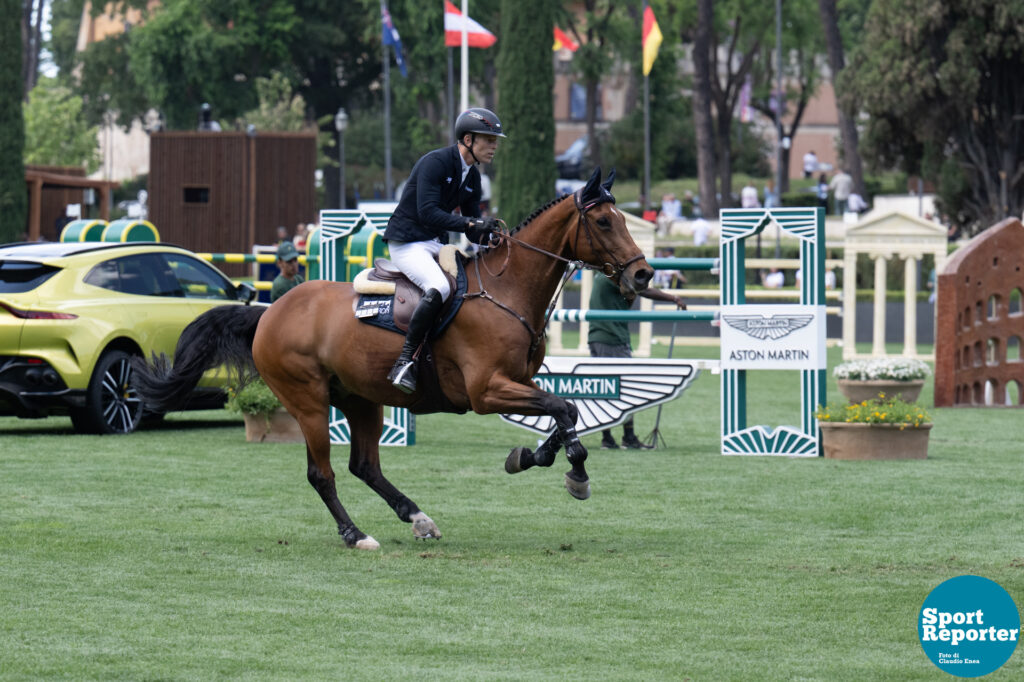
point(313, 352)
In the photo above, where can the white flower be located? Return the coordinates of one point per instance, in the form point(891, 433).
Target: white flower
point(889, 369)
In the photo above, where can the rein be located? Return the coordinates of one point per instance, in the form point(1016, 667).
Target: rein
point(609, 269)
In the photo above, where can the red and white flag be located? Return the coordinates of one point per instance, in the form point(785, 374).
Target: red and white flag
point(563, 40)
point(476, 35)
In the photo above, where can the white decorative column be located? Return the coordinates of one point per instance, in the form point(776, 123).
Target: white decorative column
point(910, 306)
point(878, 337)
point(850, 302)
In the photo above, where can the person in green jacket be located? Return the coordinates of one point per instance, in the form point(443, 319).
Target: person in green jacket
point(611, 339)
point(288, 262)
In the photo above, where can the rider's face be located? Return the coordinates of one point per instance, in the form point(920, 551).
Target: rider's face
point(484, 147)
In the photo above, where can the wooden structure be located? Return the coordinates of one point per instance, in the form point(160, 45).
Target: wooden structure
point(51, 189)
point(980, 322)
point(893, 235)
point(226, 191)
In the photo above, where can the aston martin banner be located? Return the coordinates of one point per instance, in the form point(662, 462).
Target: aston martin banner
point(773, 337)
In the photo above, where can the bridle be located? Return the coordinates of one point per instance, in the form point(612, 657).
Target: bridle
point(609, 268)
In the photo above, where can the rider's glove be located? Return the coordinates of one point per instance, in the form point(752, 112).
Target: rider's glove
point(480, 230)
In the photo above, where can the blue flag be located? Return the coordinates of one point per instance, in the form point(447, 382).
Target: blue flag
point(391, 37)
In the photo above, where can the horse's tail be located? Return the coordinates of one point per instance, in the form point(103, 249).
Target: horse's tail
point(220, 336)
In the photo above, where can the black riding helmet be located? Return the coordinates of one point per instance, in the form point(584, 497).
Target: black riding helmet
point(477, 120)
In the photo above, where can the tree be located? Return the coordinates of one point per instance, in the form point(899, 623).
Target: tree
point(526, 77)
point(603, 35)
point(847, 124)
point(801, 73)
point(56, 134)
point(703, 124)
point(31, 41)
point(940, 80)
point(13, 200)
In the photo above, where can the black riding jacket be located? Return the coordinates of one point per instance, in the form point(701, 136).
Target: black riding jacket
point(431, 193)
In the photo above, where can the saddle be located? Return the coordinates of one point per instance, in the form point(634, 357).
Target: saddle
point(387, 297)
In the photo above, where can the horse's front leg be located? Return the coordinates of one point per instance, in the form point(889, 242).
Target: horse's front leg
point(503, 395)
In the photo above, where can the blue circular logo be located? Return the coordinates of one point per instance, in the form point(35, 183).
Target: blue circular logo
point(968, 626)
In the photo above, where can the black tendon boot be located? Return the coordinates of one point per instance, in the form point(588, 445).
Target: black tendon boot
point(403, 374)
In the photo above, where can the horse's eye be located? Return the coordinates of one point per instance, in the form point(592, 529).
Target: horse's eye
point(604, 222)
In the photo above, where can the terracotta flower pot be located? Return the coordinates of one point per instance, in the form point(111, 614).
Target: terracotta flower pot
point(278, 427)
point(840, 440)
point(857, 391)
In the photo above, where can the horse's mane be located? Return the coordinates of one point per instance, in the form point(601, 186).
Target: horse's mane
point(536, 213)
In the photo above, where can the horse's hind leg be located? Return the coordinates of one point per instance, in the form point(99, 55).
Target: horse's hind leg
point(308, 403)
point(365, 420)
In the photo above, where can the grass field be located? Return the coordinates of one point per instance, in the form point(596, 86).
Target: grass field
point(181, 552)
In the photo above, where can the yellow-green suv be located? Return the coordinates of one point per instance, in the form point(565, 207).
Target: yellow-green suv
point(72, 315)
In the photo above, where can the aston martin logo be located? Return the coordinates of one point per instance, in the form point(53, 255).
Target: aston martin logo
point(768, 326)
point(607, 390)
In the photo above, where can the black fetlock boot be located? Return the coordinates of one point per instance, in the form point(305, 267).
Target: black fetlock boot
point(403, 374)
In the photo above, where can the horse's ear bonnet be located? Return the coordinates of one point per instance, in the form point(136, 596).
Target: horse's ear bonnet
point(595, 192)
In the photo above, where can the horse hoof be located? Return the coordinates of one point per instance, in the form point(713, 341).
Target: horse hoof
point(367, 543)
point(513, 462)
point(578, 489)
point(423, 528)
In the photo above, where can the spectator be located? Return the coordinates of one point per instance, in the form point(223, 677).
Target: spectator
point(771, 197)
point(830, 279)
point(288, 262)
point(667, 279)
point(611, 339)
point(299, 240)
point(206, 121)
point(822, 191)
point(774, 279)
point(691, 204)
point(841, 186)
point(856, 203)
point(810, 164)
point(748, 196)
point(701, 228)
point(671, 211)
point(282, 234)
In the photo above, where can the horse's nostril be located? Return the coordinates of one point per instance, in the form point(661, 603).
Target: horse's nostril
point(643, 277)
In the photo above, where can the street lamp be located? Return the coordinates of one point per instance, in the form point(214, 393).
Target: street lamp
point(340, 123)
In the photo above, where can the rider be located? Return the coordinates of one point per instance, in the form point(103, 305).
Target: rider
point(441, 181)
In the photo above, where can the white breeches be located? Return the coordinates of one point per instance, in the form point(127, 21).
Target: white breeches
point(416, 260)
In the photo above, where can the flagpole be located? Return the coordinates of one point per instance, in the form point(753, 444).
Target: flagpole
point(450, 98)
point(388, 186)
point(464, 98)
point(647, 136)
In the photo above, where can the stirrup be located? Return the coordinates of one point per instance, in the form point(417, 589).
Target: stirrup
point(403, 376)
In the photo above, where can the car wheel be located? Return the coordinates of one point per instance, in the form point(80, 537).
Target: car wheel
point(111, 404)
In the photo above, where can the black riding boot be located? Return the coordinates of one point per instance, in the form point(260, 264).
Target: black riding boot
point(403, 374)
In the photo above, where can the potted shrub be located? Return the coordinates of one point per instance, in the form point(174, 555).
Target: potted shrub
point(861, 380)
point(885, 427)
point(266, 420)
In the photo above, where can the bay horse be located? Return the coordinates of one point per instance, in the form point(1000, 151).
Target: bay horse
point(313, 352)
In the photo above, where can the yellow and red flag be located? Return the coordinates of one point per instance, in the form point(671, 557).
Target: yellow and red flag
point(651, 39)
point(563, 40)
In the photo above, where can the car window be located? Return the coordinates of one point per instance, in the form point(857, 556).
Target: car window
point(141, 275)
point(17, 277)
point(199, 280)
